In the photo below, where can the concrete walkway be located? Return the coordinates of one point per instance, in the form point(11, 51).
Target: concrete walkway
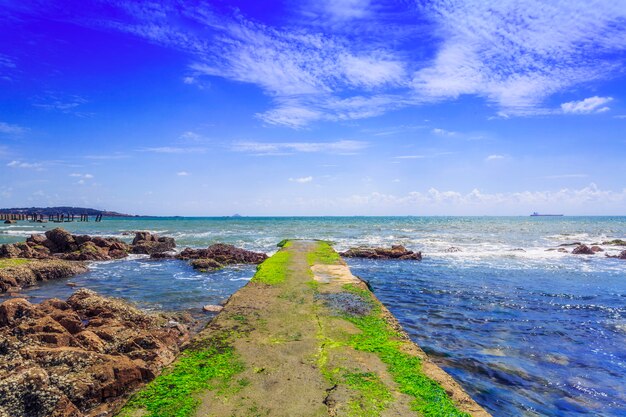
point(304, 338)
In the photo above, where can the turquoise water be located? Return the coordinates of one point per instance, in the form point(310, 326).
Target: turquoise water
point(525, 330)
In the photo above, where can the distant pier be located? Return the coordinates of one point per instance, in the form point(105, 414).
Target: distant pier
point(41, 218)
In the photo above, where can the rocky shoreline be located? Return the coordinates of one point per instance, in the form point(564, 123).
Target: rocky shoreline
point(16, 275)
point(81, 357)
point(395, 252)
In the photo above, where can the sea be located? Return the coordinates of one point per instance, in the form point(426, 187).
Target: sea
point(525, 329)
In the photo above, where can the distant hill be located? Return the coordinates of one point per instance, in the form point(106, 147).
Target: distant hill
point(46, 211)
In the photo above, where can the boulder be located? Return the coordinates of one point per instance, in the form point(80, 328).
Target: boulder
point(69, 358)
point(147, 243)
point(206, 264)
point(224, 254)
point(582, 250)
point(15, 309)
point(396, 252)
point(596, 249)
point(58, 243)
point(60, 240)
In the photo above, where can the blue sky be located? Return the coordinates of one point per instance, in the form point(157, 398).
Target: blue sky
point(344, 107)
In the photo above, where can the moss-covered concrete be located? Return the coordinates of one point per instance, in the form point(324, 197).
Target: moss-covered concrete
point(303, 338)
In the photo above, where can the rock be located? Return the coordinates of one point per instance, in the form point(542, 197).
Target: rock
point(212, 308)
point(15, 309)
point(58, 243)
point(571, 244)
point(69, 358)
point(562, 250)
point(148, 243)
point(35, 240)
point(615, 242)
point(29, 273)
point(60, 240)
point(596, 249)
point(396, 252)
point(223, 254)
point(206, 264)
point(10, 222)
point(453, 249)
point(582, 250)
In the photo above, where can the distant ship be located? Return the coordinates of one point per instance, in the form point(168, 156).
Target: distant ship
point(535, 214)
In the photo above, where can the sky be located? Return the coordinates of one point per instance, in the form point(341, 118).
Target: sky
point(320, 107)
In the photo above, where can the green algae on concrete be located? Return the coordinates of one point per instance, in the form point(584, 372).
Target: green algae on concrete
point(313, 343)
point(274, 269)
point(209, 364)
point(377, 336)
point(323, 254)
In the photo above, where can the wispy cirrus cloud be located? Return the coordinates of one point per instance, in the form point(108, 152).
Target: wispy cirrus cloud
point(517, 55)
point(282, 148)
point(11, 129)
point(61, 102)
point(513, 55)
point(37, 166)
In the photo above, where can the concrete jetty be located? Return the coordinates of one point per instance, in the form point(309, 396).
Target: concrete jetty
point(304, 338)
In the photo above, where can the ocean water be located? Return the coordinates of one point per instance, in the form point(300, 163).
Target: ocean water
point(526, 330)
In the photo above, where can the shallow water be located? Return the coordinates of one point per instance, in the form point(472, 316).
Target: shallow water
point(169, 284)
point(526, 331)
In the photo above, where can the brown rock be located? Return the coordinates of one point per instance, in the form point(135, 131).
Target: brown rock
point(223, 254)
point(212, 308)
point(80, 357)
point(206, 264)
point(396, 252)
point(14, 310)
point(582, 250)
point(60, 240)
point(596, 249)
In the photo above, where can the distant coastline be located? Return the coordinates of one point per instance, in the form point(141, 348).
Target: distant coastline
point(48, 211)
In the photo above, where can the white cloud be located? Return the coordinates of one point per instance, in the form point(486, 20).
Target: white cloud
point(301, 180)
point(26, 165)
point(324, 67)
point(443, 132)
point(593, 104)
point(341, 146)
point(82, 176)
point(494, 157)
point(10, 129)
point(191, 136)
point(517, 55)
point(183, 174)
point(584, 200)
point(346, 9)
